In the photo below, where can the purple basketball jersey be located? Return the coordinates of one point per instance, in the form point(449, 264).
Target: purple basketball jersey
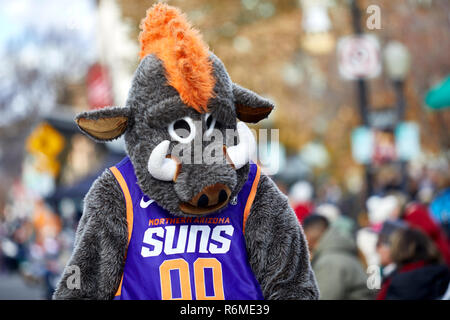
point(170, 257)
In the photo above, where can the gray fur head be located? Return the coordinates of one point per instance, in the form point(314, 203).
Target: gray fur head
point(152, 110)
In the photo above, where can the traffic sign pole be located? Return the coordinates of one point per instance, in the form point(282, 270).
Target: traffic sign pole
point(362, 94)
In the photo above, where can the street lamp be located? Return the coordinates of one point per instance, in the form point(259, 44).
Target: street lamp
point(316, 24)
point(397, 63)
point(397, 60)
point(362, 92)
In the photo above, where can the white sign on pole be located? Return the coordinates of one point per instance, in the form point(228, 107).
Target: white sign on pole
point(359, 57)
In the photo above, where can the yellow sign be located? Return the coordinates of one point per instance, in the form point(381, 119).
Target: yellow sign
point(45, 143)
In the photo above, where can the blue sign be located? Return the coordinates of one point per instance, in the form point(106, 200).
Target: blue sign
point(362, 144)
point(407, 141)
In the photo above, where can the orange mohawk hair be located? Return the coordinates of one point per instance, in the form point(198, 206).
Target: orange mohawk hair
point(167, 34)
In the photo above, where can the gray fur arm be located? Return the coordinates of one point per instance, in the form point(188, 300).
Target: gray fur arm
point(100, 244)
point(276, 246)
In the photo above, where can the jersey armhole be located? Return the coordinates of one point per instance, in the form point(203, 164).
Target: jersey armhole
point(129, 210)
point(251, 197)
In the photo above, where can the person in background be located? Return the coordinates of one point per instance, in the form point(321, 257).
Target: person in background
point(300, 197)
point(336, 219)
point(382, 208)
point(334, 259)
point(420, 273)
point(440, 210)
point(379, 210)
point(383, 247)
point(417, 215)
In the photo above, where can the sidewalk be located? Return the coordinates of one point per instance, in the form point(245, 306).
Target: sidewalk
point(12, 287)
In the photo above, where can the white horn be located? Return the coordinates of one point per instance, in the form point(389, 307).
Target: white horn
point(241, 153)
point(159, 166)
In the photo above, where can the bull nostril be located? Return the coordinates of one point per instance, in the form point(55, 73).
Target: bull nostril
point(203, 201)
point(223, 196)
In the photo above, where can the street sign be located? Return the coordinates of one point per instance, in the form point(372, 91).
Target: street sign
point(45, 140)
point(384, 118)
point(359, 57)
point(407, 140)
point(362, 141)
point(45, 143)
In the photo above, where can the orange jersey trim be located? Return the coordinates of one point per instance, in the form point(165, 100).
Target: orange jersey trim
point(251, 196)
point(129, 208)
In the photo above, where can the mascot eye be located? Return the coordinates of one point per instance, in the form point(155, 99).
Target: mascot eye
point(182, 130)
point(210, 122)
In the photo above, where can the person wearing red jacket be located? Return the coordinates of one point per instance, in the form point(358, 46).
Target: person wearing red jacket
point(418, 216)
point(300, 197)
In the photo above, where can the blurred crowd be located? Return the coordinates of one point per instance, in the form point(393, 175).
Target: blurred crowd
point(386, 241)
point(397, 249)
point(36, 239)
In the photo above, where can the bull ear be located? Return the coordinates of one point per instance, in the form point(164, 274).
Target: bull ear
point(250, 107)
point(104, 124)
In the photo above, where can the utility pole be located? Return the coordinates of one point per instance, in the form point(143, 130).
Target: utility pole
point(362, 93)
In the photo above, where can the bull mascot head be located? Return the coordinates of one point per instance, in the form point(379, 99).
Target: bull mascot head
point(182, 100)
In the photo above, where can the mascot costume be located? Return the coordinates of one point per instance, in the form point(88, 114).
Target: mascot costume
point(166, 224)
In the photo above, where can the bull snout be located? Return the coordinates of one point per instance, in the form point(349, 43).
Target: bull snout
point(209, 199)
point(211, 196)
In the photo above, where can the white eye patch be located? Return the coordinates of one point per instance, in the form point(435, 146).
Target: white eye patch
point(182, 130)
